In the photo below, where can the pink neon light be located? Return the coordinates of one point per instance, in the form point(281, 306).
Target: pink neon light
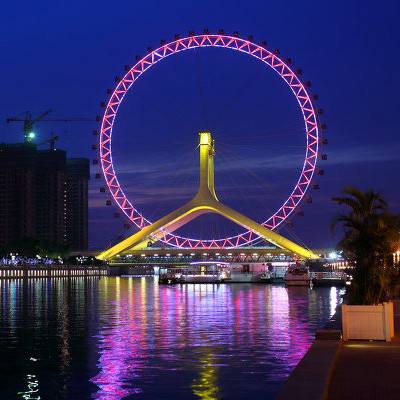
point(234, 43)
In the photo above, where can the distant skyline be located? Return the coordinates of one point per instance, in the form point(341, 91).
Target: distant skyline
point(64, 56)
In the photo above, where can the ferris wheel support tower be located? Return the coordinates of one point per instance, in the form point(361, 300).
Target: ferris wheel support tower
point(205, 201)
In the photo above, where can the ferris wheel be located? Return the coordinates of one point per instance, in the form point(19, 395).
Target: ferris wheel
point(272, 61)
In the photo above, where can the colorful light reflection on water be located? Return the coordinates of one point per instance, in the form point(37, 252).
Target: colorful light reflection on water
point(130, 338)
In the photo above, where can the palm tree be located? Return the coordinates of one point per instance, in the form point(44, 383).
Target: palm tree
point(371, 236)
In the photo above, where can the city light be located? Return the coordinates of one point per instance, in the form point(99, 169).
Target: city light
point(138, 299)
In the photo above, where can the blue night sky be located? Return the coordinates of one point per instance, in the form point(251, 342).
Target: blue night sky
point(64, 55)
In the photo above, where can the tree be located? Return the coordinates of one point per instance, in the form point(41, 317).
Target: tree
point(371, 236)
point(29, 247)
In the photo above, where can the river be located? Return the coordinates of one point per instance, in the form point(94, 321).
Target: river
point(115, 338)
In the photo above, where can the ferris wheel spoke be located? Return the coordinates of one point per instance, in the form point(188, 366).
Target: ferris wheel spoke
point(268, 189)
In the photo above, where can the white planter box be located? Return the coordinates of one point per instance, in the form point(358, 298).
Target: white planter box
point(368, 322)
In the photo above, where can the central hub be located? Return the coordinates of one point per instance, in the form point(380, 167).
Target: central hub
point(206, 187)
point(205, 137)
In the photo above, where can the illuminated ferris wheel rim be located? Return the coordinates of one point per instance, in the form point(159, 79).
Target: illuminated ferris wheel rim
point(234, 43)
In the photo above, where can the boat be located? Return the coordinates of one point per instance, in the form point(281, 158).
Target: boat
point(332, 278)
point(278, 270)
point(265, 277)
point(170, 275)
point(279, 280)
point(297, 275)
point(249, 273)
point(196, 272)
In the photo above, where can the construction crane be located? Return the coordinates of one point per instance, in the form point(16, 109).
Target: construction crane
point(51, 141)
point(29, 122)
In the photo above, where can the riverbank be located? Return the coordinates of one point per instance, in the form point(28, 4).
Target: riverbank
point(50, 271)
point(337, 370)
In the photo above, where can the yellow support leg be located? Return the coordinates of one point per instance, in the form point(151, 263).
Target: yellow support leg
point(205, 201)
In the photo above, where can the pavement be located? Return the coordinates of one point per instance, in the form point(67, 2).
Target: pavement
point(309, 380)
point(354, 370)
point(367, 370)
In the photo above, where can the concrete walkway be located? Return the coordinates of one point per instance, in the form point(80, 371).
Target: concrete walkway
point(310, 378)
point(367, 370)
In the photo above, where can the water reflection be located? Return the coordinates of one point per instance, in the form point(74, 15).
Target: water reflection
point(114, 338)
point(219, 337)
point(205, 386)
point(33, 388)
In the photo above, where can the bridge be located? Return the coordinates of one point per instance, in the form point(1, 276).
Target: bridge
point(205, 201)
point(173, 256)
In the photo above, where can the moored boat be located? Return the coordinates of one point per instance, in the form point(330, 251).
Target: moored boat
point(333, 278)
point(196, 272)
point(249, 273)
point(297, 275)
point(265, 277)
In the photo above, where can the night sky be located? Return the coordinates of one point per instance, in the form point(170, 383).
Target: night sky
point(64, 56)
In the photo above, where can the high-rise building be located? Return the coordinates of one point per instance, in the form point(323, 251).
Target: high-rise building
point(50, 197)
point(17, 191)
point(77, 176)
point(35, 187)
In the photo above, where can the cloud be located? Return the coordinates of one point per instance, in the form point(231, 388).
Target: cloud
point(158, 169)
point(164, 193)
point(153, 179)
point(364, 154)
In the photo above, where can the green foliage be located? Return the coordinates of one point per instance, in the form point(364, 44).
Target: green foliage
point(371, 236)
point(29, 247)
